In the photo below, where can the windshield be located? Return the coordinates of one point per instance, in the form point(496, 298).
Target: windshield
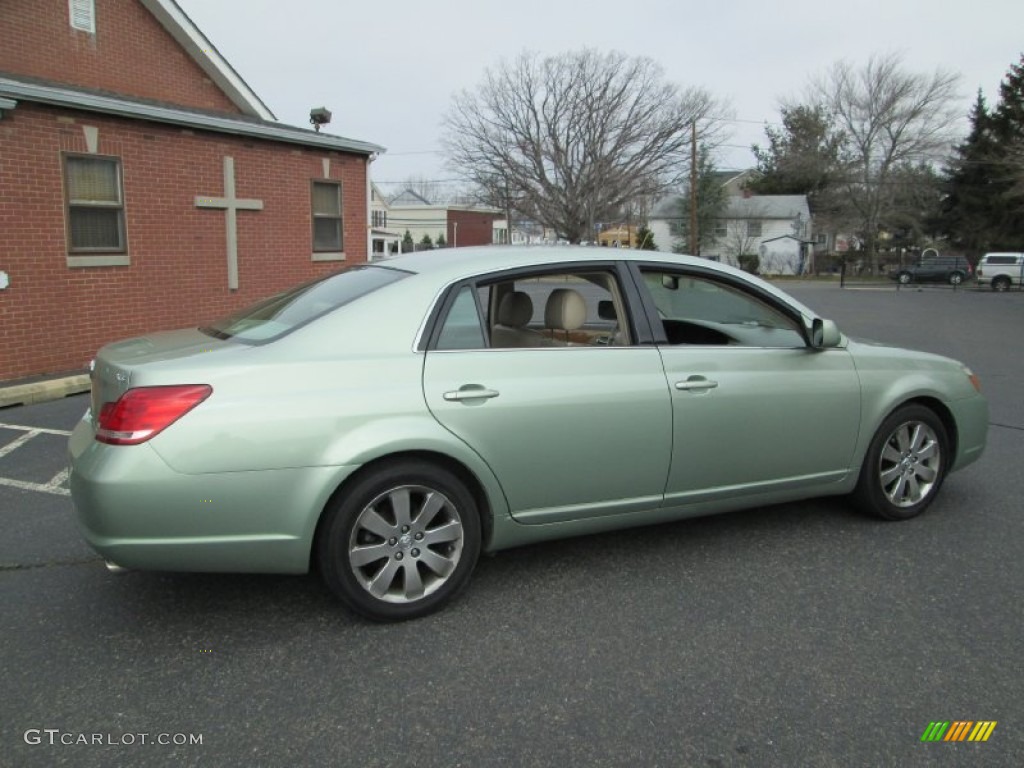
point(272, 318)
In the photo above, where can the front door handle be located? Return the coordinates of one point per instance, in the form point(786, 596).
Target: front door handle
point(470, 392)
point(696, 383)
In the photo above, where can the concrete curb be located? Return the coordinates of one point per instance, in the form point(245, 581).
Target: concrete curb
point(42, 391)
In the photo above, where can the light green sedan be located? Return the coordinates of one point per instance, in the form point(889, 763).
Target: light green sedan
point(390, 422)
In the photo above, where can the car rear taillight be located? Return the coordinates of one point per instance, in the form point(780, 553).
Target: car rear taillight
point(142, 413)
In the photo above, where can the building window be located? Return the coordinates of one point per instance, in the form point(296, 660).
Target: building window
point(327, 234)
point(95, 204)
point(380, 219)
point(753, 229)
point(82, 14)
point(721, 229)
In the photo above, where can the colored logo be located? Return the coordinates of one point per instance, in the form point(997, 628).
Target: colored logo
point(959, 730)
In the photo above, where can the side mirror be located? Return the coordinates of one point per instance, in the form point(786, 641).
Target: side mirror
point(824, 334)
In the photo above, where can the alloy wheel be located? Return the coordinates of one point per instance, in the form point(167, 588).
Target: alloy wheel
point(910, 463)
point(406, 543)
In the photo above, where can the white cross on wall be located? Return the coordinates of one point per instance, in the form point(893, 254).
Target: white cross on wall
point(232, 205)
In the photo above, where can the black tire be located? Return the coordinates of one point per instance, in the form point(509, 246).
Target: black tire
point(399, 572)
point(905, 465)
point(1000, 284)
point(956, 278)
point(904, 278)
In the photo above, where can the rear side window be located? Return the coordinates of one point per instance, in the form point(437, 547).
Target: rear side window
point(1001, 260)
point(274, 317)
point(462, 329)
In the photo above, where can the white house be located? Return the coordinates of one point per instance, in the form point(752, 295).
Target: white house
point(384, 241)
point(460, 225)
point(775, 228)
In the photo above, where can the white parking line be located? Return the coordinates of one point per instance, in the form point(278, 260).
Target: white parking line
point(42, 488)
point(54, 484)
point(17, 443)
point(39, 430)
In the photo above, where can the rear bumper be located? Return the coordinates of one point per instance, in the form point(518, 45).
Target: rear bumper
point(137, 512)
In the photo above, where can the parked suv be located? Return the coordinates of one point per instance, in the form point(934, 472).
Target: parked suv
point(1001, 270)
point(935, 269)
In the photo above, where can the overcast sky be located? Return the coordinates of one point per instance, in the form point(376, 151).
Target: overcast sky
point(388, 70)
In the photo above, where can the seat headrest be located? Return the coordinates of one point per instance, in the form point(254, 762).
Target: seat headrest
point(515, 309)
point(566, 310)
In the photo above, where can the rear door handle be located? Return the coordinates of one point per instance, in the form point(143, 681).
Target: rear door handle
point(470, 392)
point(696, 383)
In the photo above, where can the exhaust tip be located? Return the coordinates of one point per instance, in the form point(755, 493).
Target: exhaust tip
point(114, 567)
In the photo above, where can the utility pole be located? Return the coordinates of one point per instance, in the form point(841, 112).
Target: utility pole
point(694, 239)
point(508, 213)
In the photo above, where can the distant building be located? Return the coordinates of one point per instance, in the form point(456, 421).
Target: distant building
point(774, 228)
point(145, 186)
point(384, 241)
point(461, 225)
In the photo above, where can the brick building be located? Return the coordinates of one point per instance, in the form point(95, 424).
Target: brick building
point(144, 186)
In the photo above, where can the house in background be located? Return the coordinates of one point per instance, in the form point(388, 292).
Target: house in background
point(384, 241)
point(461, 225)
point(776, 229)
point(145, 186)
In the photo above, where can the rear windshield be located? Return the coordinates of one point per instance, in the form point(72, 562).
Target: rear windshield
point(1004, 260)
point(274, 317)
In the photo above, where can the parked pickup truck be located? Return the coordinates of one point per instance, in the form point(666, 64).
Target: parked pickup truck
point(1001, 270)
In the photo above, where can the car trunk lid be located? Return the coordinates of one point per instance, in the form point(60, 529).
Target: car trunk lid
point(117, 364)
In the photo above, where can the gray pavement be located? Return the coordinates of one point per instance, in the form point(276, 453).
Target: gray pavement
point(797, 635)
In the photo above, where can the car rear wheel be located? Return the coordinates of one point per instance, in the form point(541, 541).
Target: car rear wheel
point(400, 542)
point(956, 278)
point(1001, 284)
point(904, 278)
point(904, 466)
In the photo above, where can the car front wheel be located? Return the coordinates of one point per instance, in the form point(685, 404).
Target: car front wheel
point(400, 542)
point(904, 466)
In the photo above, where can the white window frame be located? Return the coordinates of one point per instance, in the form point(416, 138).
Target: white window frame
point(82, 15)
point(95, 257)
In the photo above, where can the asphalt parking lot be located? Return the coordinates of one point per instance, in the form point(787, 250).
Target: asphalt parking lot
point(797, 635)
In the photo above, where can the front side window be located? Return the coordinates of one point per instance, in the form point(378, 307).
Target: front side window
point(702, 310)
point(95, 204)
point(327, 230)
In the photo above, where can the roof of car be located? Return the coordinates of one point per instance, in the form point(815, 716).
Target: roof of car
point(465, 262)
point(447, 265)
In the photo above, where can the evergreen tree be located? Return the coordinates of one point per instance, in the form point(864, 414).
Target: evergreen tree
point(803, 157)
point(711, 202)
point(426, 242)
point(970, 212)
point(985, 184)
point(645, 239)
point(441, 242)
point(1008, 130)
point(407, 243)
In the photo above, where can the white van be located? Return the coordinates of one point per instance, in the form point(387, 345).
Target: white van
point(1001, 270)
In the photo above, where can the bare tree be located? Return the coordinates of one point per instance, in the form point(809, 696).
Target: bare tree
point(738, 243)
point(568, 140)
point(430, 190)
point(889, 118)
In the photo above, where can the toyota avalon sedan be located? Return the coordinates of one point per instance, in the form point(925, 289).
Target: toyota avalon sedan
point(388, 423)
